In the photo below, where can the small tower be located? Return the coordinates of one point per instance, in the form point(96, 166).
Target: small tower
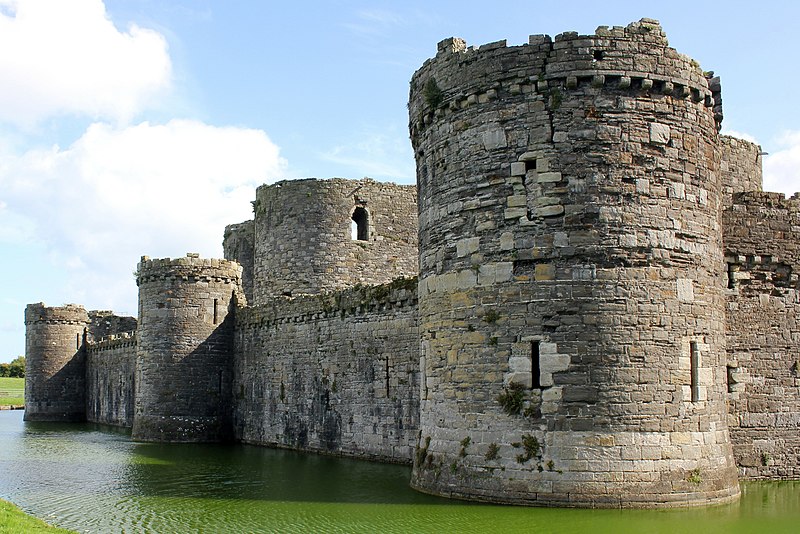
point(55, 362)
point(185, 345)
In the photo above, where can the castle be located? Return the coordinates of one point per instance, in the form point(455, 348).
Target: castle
point(587, 300)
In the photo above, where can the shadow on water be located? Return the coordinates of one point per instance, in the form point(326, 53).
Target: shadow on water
point(93, 478)
point(256, 473)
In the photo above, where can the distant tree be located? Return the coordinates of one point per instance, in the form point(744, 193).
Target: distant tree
point(15, 369)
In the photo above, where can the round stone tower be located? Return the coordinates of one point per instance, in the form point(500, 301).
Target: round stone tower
point(55, 370)
point(571, 274)
point(184, 349)
point(314, 236)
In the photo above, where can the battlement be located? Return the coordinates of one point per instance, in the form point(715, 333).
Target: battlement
point(766, 199)
point(113, 341)
point(633, 58)
point(71, 314)
point(359, 300)
point(192, 267)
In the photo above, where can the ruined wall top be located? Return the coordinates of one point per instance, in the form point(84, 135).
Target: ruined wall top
point(189, 267)
point(238, 244)
point(314, 236)
point(740, 167)
point(67, 314)
point(636, 56)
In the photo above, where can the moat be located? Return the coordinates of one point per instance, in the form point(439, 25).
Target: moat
point(95, 479)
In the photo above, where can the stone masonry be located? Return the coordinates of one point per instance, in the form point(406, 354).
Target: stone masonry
point(303, 239)
point(762, 252)
point(569, 224)
point(587, 300)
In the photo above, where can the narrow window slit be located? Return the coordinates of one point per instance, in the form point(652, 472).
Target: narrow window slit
point(694, 357)
point(536, 380)
point(216, 306)
point(731, 276)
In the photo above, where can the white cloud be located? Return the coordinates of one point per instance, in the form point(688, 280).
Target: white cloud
point(380, 155)
point(118, 193)
point(782, 165)
point(68, 58)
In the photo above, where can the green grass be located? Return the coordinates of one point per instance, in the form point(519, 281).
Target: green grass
point(12, 391)
point(13, 521)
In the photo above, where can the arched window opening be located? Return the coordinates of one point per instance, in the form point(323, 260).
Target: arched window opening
point(359, 228)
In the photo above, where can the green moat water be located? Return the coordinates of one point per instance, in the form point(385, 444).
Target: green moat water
point(93, 479)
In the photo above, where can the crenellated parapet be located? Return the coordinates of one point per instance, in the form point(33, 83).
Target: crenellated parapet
point(762, 250)
point(192, 268)
point(112, 342)
point(351, 302)
point(636, 58)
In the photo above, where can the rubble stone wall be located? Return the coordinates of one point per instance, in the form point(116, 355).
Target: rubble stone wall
point(184, 349)
point(571, 299)
point(110, 371)
point(304, 242)
point(762, 251)
point(335, 373)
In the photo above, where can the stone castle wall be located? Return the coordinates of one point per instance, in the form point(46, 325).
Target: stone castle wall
point(55, 362)
point(110, 371)
point(571, 304)
point(303, 241)
point(184, 349)
point(763, 254)
point(238, 245)
point(335, 373)
point(740, 167)
point(606, 300)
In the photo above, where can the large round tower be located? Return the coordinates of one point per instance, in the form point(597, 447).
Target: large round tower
point(55, 370)
point(184, 349)
point(571, 273)
point(314, 236)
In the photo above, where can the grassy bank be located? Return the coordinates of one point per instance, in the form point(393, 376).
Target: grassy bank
point(12, 391)
point(13, 521)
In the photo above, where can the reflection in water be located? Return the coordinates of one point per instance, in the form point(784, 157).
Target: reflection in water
point(94, 479)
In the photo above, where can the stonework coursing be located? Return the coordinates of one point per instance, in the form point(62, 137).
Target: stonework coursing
point(583, 243)
point(762, 252)
point(587, 300)
point(315, 236)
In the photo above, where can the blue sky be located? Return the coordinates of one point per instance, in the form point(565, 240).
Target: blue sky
point(131, 127)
